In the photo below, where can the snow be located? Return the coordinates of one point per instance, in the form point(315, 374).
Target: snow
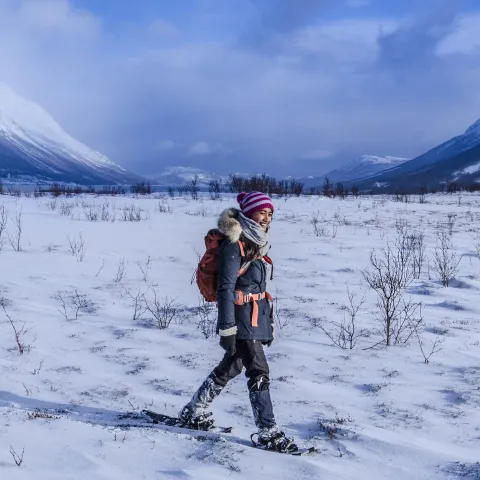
point(472, 168)
point(34, 132)
point(364, 166)
point(381, 160)
point(393, 416)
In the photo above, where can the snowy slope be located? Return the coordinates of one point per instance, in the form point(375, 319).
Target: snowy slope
point(364, 166)
point(32, 142)
point(460, 151)
point(373, 413)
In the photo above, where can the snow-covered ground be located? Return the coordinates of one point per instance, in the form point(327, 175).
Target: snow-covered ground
point(379, 413)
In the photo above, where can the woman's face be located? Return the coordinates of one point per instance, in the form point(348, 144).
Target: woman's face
point(263, 218)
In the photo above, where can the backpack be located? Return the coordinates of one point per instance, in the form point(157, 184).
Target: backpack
point(207, 270)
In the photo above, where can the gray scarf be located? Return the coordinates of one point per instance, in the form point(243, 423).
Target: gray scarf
point(254, 232)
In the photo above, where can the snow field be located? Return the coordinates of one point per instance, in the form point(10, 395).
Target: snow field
point(372, 413)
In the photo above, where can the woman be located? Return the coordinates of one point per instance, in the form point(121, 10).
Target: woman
point(245, 322)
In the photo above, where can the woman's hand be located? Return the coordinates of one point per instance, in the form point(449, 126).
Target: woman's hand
point(228, 339)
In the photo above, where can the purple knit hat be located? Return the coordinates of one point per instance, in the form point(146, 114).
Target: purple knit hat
point(253, 202)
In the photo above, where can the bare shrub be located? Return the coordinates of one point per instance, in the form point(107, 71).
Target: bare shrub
point(411, 248)
point(345, 334)
point(390, 273)
point(163, 309)
point(91, 214)
point(73, 304)
point(121, 271)
point(51, 204)
point(435, 346)
point(451, 222)
point(334, 229)
point(207, 323)
point(101, 268)
point(193, 188)
point(138, 303)
point(445, 261)
point(215, 189)
point(163, 207)
point(171, 192)
point(145, 267)
point(280, 317)
point(476, 247)
point(340, 218)
point(3, 223)
point(131, 213)
point(417, 242)
point(17, 457)
point(19, 328)
point(37, 370)
point(318, 230)
point(335, 428)
point(66, 208)
point(105, 214)
point(76, 246)
point(404, 248)
point(200, 212)
point(15, 239)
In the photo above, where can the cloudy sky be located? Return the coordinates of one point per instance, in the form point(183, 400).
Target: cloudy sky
point(278, 86)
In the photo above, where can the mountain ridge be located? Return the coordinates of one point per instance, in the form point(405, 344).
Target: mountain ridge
point(33, 144)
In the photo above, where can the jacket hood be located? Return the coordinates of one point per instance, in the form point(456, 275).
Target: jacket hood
point(229, 225)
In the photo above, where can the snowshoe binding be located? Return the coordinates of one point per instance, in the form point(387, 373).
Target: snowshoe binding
point(276, 441)
point(202, 422)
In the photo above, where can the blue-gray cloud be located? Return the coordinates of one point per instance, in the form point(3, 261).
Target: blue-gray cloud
point(414, 46)
point(334, 88)
point(274, 20)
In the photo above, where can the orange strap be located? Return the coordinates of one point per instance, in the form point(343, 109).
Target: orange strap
point(268, 260)
point(254, 298)
point(242, 249)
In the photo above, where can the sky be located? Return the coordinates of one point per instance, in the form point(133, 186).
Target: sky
point(286, 87)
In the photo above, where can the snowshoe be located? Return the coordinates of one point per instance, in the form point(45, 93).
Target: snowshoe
point(196, 422)
point(276, 442)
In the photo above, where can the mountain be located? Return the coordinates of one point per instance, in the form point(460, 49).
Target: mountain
point(457, 159)
point(364, 166)
point(180, 176)
point(34, 147)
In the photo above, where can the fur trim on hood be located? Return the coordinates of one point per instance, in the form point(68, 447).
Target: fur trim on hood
point(229, 225)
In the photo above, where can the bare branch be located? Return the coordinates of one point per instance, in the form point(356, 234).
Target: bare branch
point(17, 458)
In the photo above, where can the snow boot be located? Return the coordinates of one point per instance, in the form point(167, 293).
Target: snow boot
point(274, 439)
point(194, 414)
point(269, 435)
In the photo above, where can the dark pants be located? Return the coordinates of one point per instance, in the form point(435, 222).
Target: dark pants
point(249, 354)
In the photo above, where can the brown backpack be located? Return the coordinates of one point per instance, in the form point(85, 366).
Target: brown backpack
point(207, 270)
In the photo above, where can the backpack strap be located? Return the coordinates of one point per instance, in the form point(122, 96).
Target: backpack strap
point(242, 248)
point(268, 260)
point(244, 267)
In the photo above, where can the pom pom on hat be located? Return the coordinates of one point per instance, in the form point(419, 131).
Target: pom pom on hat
point(241, 196)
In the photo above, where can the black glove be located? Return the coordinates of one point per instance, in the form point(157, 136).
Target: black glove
point(228, 344)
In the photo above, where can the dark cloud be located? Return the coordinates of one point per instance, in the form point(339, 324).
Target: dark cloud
point(275, 19)
point(414, 46)
point(332, 91)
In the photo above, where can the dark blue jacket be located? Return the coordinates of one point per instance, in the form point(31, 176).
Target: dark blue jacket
point(252, 281)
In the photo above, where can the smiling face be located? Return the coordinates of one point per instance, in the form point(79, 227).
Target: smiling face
point(263, 218)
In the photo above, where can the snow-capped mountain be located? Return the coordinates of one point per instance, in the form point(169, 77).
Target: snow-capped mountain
point(364, 166)
point(361, 167)
point(33, 145)
point(457, 159)
point(180, 176)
